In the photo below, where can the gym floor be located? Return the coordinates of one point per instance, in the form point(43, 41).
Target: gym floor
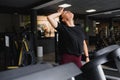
point(49, 57)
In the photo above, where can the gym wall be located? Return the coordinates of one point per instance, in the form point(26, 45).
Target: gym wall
point(8, 22)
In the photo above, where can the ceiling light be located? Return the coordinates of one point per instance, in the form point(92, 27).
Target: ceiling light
point(107, 12)
point(97, 23)
point(90, 10)
point(65, 5)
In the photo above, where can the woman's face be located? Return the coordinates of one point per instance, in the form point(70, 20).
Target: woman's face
point(67, 15)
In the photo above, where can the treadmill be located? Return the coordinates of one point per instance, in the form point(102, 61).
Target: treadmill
point(92, 70)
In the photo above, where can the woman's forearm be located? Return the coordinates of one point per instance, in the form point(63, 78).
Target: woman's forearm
point(51, 17)
point(86, 51)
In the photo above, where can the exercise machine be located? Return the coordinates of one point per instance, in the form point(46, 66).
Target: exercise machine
point(44, 71)
point(93, 70)
point(90, 71)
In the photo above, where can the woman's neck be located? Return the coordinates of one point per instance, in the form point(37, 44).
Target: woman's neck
point(70, 23)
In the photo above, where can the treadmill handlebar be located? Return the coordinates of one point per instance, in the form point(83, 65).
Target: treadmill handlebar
point(116, 56)
point(105, 50)
point(93, 69)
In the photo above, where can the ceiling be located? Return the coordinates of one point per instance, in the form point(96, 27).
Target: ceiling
point(104, 8)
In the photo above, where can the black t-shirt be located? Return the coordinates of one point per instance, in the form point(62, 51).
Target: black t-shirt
point(70, 39)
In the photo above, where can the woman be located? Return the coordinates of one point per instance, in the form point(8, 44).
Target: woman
point(71, 38)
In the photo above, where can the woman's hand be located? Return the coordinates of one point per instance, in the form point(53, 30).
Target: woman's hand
point(60, 10)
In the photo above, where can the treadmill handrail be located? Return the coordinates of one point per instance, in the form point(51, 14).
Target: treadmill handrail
point(105, 50)
point(62, 72)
